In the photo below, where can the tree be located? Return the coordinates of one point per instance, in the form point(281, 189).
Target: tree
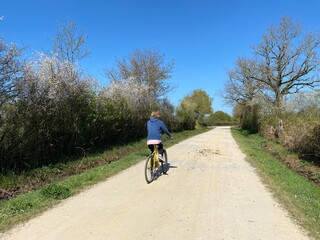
point(53, 112)
point(218, 117)
point(284, 63)
point(134, 97)
point(199, 103)
point(244, 92)
point(10, 70)
point(241, 87)
point(186, 116)
point(167, 113)
point(287, 61)
point(69, 46)
point(147, 68)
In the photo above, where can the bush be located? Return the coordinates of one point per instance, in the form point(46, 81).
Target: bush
point(300, 133)
point(310, 145)
point(56, 192)
point(249, 119)
point(219, 118)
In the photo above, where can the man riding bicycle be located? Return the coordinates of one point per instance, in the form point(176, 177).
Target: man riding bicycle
point(155, 128)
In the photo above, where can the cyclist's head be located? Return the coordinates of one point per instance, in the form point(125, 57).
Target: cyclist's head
point(155, 114)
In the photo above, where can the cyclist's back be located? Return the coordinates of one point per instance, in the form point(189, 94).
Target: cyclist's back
point(155, 128)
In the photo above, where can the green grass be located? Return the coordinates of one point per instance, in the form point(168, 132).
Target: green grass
point(28, 205)
point(298, 195)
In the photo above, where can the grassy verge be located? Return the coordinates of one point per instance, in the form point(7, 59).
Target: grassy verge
point(296, 193)
point(25, 206)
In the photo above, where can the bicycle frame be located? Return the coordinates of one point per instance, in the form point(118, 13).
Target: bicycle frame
point(155, 157)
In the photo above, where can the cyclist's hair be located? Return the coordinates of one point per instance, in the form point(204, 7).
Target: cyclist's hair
point(155, 114)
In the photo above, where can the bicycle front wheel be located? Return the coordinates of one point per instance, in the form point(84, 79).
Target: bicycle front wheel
point(149, 169)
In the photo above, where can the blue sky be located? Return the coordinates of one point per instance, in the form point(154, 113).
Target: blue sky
point(203, 37)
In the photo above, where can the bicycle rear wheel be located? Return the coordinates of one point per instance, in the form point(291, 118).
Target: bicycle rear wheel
point(148, 170)
point(164, 164)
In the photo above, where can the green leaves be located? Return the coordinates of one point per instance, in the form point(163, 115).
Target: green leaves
point(56, 192)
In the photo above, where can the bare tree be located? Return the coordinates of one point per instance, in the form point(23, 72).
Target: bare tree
point(10, 70)
point(145, 67)
point(69, 43)
point(287, 61)
point(69, 46)
point(241, 87)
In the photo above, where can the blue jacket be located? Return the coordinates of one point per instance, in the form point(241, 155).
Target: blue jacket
point(155, 128)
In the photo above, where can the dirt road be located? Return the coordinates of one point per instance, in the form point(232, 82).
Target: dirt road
point(210, 192)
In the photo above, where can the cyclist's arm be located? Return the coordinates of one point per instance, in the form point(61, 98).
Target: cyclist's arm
point(165, 130)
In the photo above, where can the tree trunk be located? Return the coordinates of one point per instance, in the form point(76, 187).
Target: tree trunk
point(278, 104)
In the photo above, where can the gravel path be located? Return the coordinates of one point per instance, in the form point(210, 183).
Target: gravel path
point(209, 192)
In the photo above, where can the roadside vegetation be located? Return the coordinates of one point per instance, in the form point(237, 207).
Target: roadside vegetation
point(276, 91)
point(220, 118)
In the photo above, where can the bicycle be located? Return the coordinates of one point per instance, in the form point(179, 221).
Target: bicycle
point(151, 170)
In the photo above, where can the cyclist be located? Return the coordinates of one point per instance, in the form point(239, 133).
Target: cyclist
point(155, 128)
